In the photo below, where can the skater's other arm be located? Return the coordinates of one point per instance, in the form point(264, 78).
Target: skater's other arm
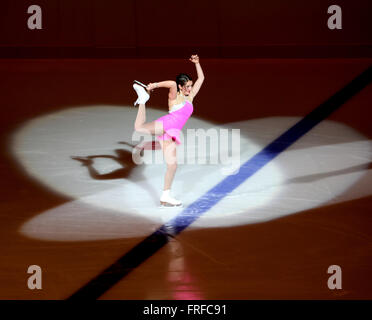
point(171, 85)
point(198, 83)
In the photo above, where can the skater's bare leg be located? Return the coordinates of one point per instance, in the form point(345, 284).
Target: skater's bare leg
point(141, 116)
point(170, 157)
point(140, 125)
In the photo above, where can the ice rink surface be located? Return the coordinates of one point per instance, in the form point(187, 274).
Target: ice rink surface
point(74, 201)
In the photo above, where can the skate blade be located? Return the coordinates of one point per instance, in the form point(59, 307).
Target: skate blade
point(169, 205)
point(141, 84)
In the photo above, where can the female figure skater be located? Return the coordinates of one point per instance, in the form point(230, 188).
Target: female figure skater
point(167, 128)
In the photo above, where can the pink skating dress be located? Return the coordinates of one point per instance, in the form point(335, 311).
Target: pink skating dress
point(174, 121)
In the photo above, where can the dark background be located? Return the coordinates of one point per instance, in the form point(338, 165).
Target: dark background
point(168, 28)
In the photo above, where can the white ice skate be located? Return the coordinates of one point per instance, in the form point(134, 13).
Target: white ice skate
point(143, 96)
point(166, 200)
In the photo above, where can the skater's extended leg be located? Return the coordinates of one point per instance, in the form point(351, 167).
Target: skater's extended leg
point(140, 125)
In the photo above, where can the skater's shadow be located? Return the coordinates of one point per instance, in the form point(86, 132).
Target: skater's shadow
point(129, 169)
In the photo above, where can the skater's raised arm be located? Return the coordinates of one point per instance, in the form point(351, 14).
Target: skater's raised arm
point(171, 85)
point(198, 83)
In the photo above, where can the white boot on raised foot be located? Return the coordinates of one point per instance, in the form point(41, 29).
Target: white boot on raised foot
point(143, 96)
point(166, 200)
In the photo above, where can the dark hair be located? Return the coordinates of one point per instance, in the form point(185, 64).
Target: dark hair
point(182, 79)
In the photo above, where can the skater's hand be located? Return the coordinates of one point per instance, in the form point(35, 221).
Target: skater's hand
point(194, 58)
point(152, 86)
